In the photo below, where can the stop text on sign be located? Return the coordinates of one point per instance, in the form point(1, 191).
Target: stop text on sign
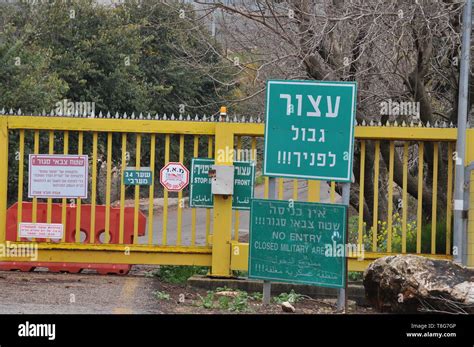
point(309, 130)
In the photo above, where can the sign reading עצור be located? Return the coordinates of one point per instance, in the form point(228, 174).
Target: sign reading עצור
point(298, 242)
point(200, 192)
point(309, 130)
point(58, 176)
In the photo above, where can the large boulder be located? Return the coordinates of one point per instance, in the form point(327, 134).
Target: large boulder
point(409, 283)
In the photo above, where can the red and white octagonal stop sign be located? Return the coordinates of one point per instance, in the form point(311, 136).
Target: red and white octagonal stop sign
point(174, 176)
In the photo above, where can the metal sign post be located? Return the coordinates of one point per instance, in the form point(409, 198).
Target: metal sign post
point(309, 134)
point(342, 297)
point(459, 231)
point(267, 285)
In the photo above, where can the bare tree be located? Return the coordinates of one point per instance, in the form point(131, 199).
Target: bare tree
point(396, 50)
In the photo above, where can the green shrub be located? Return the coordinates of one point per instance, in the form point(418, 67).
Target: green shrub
point(291, 297)
point(411, 235)
point(239, 303)
point(161, 295)
point(354, 276)
point(179, 274)
point(207, 301)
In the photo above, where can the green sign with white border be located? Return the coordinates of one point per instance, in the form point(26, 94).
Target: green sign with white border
point(200, 191)
point(309, 129)
point(140, 177)
point(298, 242)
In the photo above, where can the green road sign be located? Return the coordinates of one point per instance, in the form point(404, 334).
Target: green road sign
point(298, 242)
point(141, 177)
point(309, 130)
point(200, 188)
point(200, 191)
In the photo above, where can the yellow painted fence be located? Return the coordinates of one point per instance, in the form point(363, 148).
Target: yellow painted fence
point(175, 234)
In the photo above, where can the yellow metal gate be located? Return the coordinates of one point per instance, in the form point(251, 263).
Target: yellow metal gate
point(208, 237)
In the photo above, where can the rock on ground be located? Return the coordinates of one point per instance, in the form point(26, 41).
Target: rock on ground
point(409, 283)
point(287, 307)
point(231, 294)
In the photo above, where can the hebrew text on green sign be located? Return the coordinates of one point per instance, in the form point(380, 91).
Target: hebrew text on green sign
point(298, 242)
point(309, 130)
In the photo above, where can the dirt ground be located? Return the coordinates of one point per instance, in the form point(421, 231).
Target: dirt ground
point(192, 305)
point(56, 293)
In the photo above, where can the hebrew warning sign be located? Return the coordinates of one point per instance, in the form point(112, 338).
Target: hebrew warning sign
point(309, 130)
point(58, 176)
point(298, 242)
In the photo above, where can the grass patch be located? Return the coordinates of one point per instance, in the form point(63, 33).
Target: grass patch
point(161, 295)
point(355, 276)
point(179, 274)
point(238, 303)
point(257, 296)
point(207, 301)
point(292, 297)
point(238, 273)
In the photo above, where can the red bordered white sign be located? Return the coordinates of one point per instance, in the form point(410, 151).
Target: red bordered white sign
point(174, 176)
point(41, 230)
point(58, 176)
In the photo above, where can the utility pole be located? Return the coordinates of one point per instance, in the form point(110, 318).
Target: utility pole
point(459, 233)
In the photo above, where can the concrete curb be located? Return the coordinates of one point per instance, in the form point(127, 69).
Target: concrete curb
point(355, 290)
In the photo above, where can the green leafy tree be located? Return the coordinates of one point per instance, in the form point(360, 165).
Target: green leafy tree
point(134, 57)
